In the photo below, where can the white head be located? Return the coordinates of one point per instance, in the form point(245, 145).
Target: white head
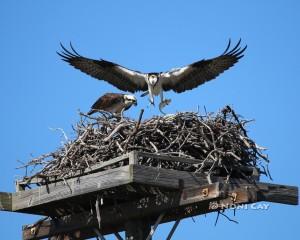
point(152, 78)
point(130, 99)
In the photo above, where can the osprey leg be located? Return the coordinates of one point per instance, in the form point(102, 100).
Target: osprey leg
point(145, 93)
point(122, 113)
point(161, 104)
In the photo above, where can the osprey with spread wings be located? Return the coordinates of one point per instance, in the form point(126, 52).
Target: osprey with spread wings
point(154, 83)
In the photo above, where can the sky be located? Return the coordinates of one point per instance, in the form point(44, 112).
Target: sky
point(39, 92)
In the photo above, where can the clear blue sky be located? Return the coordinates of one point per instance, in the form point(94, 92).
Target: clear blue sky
point(38, 91)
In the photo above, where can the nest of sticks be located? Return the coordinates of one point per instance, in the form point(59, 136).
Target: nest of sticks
point(219, 141)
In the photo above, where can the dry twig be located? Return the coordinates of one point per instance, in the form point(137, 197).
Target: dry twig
point(219, 141)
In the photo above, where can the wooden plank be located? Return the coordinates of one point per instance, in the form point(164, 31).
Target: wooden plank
point(97, 167)
point(91, 169)
point(164, 157)
point(278, 193)
point(133, 159)
point(249, 171)
point(146, 207)
point(37, 201)
point(262, 191)
point(191, 202)
point(5, 201)
point(166, 178)
point(198, 194)
point(24, 200)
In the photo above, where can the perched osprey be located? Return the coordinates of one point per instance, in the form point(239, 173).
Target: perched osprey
point(154, 83)
point(114, 103)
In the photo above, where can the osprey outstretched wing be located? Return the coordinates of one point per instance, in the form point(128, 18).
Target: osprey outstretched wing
point(121, 77)
point(195, 74)
point(178, 79)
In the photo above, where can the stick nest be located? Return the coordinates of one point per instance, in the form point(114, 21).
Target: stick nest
point(219, 141)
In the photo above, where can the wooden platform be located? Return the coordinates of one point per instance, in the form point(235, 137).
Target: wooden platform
point(121, 190)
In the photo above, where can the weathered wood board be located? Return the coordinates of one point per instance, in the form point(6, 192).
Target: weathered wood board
point(5, 201)
point(36, 200)
point(26, 201)
point(176, 205)
point(132, 191)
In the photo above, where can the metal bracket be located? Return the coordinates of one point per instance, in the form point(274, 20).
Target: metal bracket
point(32, 230)
point(234, 197)
point(205, 192)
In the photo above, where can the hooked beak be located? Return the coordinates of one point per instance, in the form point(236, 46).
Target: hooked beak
point(135, 103)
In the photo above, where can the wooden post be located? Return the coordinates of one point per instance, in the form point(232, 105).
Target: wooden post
point(137, 230)
point(133, 157)
point(5, 201)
